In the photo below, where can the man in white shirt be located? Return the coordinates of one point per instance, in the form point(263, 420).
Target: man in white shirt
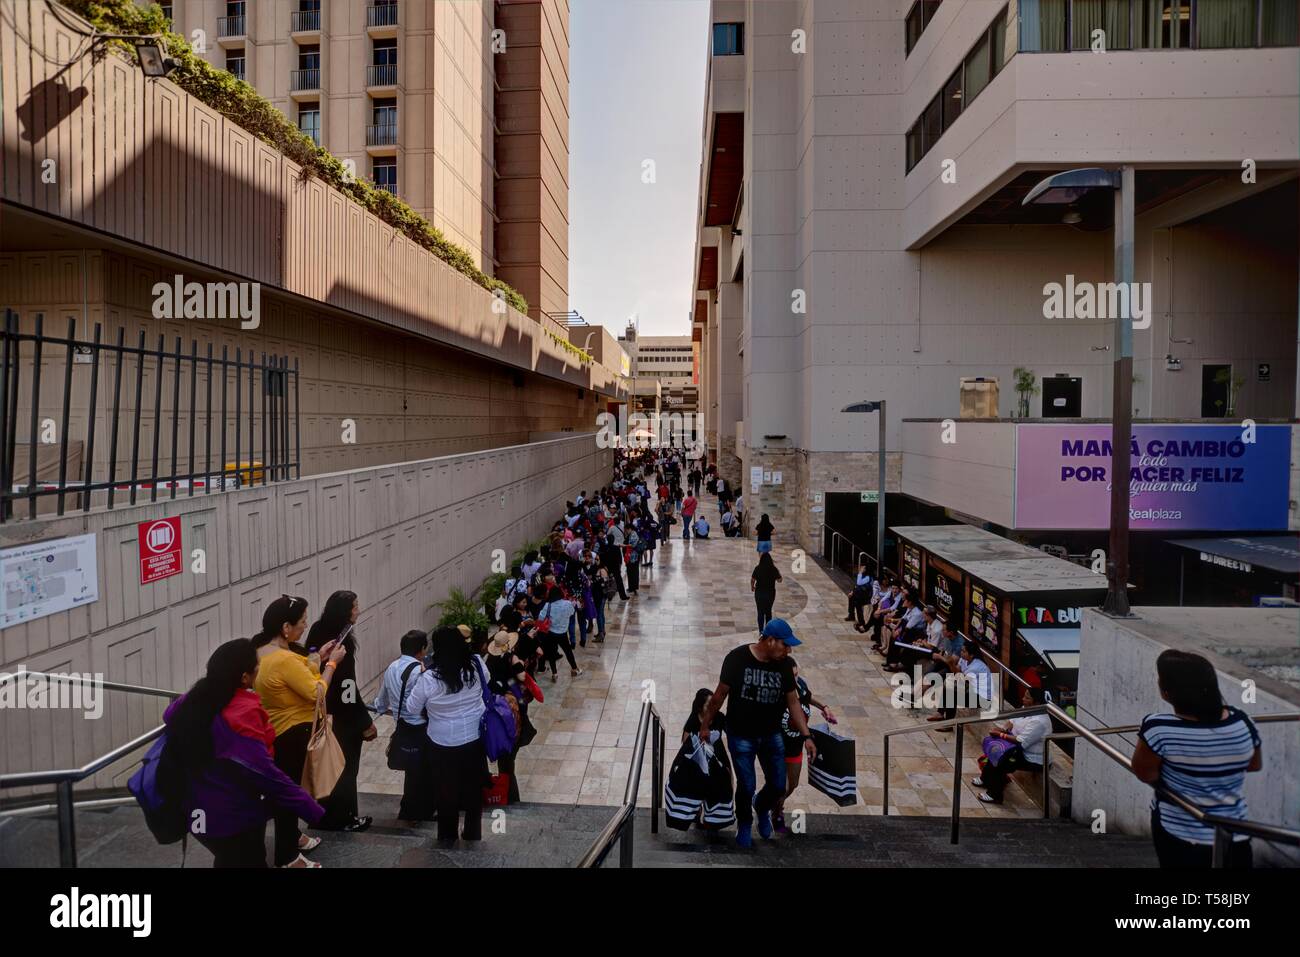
point(394, 698)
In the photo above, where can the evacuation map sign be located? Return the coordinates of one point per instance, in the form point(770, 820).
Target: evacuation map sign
point(160, 549)
point(1182, 477)
point(47, 577)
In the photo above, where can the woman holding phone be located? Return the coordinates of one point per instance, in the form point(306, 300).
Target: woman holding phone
point(288, 682)
point(352, 722)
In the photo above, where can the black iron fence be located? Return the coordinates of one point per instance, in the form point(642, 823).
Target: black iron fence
point(232, 419)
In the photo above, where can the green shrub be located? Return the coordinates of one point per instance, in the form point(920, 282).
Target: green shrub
point(244, 106)
point(459, 608)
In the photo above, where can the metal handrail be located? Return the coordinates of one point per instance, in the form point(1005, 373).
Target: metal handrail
point(1223, 827)
point(859, 552)
point(65, 779)
point(619, 828)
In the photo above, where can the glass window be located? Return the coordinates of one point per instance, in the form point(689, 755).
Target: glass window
point(235, 8)
point(385, 112)
point(915, 24)
point(1042, 25)
point(952, 99)
point(309, 57)
point(235, 63)
point(383, 171)
point(309, 120)
point(932, 122)
point(1164, 24)
point(385, 52)
point(997, 45)
point(1111, 17)
point(1224, 24)
point(1280, 23)
point(728, 39)
point(309, 5)
point(977, 69)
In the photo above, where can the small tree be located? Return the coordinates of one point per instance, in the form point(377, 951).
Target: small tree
point(459, 608)
point(1026, 387)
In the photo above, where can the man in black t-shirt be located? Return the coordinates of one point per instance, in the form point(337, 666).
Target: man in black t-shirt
point(762, 679)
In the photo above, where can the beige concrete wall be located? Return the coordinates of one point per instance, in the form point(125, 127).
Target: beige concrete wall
point(409, 398)
point(533, 152)
point(172, 175)
point(400, 536)
point(444, 96)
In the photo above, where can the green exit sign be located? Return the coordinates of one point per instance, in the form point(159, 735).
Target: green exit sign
point(871, 498)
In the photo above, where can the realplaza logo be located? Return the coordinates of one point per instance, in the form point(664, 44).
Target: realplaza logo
point(76, 910)
point(213, 300)
point(25, 691)
point(1098, 300)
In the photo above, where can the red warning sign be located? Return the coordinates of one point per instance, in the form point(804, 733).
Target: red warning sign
point(160, 549)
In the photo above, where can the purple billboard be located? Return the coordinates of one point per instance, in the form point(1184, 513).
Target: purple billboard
point(1182, 477)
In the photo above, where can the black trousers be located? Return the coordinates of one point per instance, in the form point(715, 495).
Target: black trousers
point(459, 775)
point(633, 576)
point(1176, 854)
point(245, 849)
point(764, 600)
point(554, 643)
point(341, 805)
point(290, 756)
point(616, 573)
point(995, 776)
point(418, 800)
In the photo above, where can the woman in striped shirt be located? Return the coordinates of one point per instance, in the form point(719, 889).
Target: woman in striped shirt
point(1202, 751)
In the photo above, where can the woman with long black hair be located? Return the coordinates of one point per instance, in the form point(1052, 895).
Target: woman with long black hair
point(352, 722)
point(450, 694)
point(217, 760)
point(288, 683)
point(763, 584)
point(1203, 750)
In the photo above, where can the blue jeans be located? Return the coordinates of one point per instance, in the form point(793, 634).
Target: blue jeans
point(770, 751)
point(598, 596)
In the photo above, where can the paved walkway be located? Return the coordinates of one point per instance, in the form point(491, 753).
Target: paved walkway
point(695, 606)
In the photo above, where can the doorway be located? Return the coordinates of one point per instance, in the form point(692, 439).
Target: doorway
point(1215, 382)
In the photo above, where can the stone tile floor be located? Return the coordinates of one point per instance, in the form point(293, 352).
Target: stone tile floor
point(693, 607)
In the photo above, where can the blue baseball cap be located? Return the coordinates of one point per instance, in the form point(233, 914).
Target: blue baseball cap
point(779, 629)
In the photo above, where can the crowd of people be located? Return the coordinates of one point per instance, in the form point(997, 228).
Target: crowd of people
point(237, 744)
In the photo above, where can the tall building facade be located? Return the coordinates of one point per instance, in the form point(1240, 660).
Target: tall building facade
point(458, 107)
point(669, 361)
point(862, 234)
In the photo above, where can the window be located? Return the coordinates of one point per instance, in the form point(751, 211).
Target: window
point(977, 68)
point(728, 39)
point(932, 122)
point(918, 18)
point(383, 171)
point(1280, 23)
point(235, 62)
point(1042, 25)
point(309, 57)
point(235, 8)
point(166, 11)
point(385, 52)
point(309, 120)
point(385, 113)
point(952, 99)
point(1225, 24)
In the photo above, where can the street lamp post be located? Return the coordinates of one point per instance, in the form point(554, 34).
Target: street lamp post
point(880, 505)
point(1068, 188)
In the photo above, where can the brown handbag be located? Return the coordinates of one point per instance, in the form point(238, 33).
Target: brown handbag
point(324, 764)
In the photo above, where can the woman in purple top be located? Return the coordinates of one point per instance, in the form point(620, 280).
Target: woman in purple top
point(217, 764)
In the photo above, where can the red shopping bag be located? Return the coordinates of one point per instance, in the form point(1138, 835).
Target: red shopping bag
point(497, 793)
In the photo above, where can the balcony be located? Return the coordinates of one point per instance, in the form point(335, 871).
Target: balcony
point(381, 135)
point(381, 20)
point(304, 21)
point(304, 81)
point(232, 29)
point(381, 75)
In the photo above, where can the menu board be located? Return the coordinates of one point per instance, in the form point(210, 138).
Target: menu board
point(912, 567)
point(943, 596)
point(976, 611)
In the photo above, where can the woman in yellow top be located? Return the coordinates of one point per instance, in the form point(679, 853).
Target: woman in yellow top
point(288, 683)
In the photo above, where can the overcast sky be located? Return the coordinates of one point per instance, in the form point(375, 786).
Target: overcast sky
point(636, 93)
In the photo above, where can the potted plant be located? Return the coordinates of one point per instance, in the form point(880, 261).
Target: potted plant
point(1026, 387)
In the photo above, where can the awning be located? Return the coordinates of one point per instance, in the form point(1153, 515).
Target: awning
point(1274, 553)
point(1059, 647)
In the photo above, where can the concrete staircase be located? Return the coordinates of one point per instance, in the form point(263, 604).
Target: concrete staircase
point(556, 835)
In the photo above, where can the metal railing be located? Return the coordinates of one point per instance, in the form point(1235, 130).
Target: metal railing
point(1224, 828)
point(191, 408)
point(381, 74)
point(856, 553)
point(300, 80)
point(66, 779)
point(232, 26)
point(381, 134)
point(619, 829)
point(304, 21)
point(381, 15)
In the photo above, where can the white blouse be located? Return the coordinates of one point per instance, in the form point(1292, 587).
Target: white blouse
point(453, 716)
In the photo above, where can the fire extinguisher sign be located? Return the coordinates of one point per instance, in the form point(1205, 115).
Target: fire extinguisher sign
point(160, 549)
